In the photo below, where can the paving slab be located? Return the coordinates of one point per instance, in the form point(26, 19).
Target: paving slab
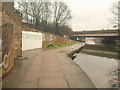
point(52, 83)
point(34, 68)
point(27, 85)
point(51, 75)
point(30, 77)
point(78, 80)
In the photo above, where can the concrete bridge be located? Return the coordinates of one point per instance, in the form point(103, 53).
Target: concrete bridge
point(98, 33)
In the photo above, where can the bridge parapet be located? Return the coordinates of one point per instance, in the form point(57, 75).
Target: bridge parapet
point(97, 33)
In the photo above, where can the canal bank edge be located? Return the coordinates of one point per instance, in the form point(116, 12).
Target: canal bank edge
point(71, 55)
point(77, 50)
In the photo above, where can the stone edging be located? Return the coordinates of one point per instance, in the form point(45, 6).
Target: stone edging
point(71, 54)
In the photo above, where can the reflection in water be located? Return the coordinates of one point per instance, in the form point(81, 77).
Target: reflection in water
point(110, 51)
point(93, 59)
point(90, 41)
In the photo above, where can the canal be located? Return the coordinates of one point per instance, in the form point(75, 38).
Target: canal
point(100, 63)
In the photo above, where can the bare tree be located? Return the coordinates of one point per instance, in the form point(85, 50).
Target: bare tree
point(36, 11)
point(116, 12)
point(24, 8)
point(62, 13)
point(44, 14)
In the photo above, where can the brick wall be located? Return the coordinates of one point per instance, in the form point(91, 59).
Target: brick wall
point(11, 36)
point(50, 38)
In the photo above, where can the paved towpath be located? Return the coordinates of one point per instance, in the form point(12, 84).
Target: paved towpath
point(47, 69)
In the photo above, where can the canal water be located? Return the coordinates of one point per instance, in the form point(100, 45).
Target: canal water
point(100, 63)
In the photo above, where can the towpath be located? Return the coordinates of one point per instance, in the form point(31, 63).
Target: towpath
point(47, 69)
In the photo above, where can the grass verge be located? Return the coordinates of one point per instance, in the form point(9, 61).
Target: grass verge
point(54, 46)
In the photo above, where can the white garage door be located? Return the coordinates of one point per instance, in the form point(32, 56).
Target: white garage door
point(31, 40)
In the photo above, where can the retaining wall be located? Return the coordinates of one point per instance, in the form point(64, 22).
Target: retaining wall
point(50, 38)
point(11, 36)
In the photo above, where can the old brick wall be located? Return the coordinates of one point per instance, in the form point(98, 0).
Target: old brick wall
point(11, 36)
point(50, 38)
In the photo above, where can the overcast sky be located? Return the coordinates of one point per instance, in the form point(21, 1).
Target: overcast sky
point(90, 14)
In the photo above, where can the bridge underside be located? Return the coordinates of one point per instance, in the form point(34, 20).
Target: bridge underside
point(115, 37)
point(99, 39)
point(100, 36)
